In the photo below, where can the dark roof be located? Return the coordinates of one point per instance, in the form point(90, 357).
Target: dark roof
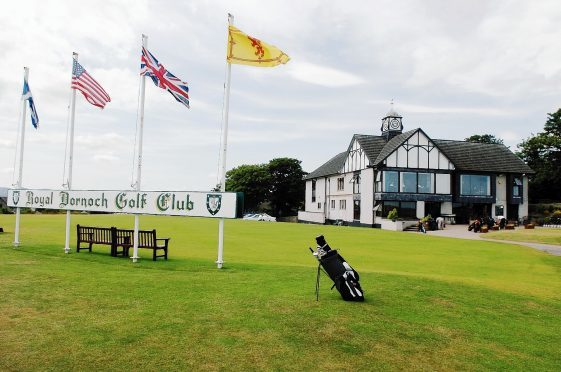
point(466, 156)
point(332, 166)
point(372, 145)
point(392, 145)
point(482, 157)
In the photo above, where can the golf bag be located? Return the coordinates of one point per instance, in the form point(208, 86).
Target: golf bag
point(344, 277)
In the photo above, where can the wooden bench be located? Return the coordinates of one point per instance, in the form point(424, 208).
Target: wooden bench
point(98, 235)
point(509, 226)
point(147, 239)
point(529, 226)
point(484, 229)
point(495, 227)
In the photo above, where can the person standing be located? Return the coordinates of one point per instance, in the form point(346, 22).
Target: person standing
point(440, 222)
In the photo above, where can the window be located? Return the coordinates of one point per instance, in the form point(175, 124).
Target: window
point(407, 210)
point(413, 182)
point(387, 206)
point(404, 209)
point(516, 187)
point(499, 210)
point(477, 185)
point(443, 183)
point(356, 183)
point(319, 205)
point(408, 182)
point(378, 181)
point(313, 191)
point(340, 183)
point(356, 209)
point(424, 183)
point(342, 204)
point(391, 180)
point(333, 204)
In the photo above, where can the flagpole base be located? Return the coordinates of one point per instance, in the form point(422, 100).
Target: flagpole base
point(219, 264)
point(67, 250)
point(16, 245)
point(135, 259)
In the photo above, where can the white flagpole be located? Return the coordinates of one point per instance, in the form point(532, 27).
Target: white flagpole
point(139, 169)
point(21, 144)
point(220, 259)
point(70, 155)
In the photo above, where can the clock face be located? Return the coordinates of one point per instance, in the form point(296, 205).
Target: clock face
point(395, 124)
point(385, 125)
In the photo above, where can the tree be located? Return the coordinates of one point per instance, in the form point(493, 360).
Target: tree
point(279, 184)
point(485, 138)
point(287, 186)
point(253, 180)
point(542, 152)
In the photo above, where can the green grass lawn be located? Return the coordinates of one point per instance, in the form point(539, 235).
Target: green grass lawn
point(538, 235)
point(431, 303)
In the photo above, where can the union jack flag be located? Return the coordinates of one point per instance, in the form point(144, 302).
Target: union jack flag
point(149, 66)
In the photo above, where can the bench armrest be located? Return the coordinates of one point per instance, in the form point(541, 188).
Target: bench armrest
point(165, 240)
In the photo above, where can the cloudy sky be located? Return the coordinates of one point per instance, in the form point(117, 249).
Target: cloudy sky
point(452, 68)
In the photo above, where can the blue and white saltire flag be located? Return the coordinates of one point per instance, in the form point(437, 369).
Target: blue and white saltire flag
point(26, 95)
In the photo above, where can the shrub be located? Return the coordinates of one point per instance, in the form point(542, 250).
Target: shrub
point(556, 217)
point(392, 215)
point(426, 218)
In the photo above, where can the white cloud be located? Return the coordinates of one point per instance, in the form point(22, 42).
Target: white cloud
point(322, 75)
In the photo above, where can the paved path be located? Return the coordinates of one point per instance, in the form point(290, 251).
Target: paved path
point(461, 232)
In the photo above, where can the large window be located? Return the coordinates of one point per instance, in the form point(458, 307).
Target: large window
point(413, 182)
point(477, 185)
point(342, 204)
point(408, 182)
point(387, 206)
point(424, 183)
point(391, 181)
point(408, 210)
point(404, 209)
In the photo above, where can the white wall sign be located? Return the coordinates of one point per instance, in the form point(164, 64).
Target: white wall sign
point(169, 203)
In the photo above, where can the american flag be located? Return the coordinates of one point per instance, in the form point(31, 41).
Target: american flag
point(90, 88)
point(149, 66)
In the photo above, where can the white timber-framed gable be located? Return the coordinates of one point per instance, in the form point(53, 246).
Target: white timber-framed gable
point(356, 158)
point(419, 152)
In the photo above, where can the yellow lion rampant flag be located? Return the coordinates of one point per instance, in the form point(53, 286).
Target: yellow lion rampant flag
point(246, 50)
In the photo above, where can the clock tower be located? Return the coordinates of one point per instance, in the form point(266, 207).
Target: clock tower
point(391, 124)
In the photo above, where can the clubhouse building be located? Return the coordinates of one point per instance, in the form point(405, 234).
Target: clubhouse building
point(418, 176)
